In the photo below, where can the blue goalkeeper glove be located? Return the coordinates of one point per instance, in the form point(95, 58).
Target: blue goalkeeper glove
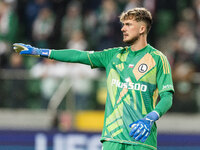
point(141, 129)
point(28, 50)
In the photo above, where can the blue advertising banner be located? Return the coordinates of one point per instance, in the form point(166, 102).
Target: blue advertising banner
point(53, 140)
point(48, 140)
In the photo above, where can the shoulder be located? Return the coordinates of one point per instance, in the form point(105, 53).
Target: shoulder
point(156, 54)
point(161, 60)
point(115, 49)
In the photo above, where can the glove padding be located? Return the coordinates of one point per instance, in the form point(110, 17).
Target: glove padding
point(141, 129)
point(28, 50)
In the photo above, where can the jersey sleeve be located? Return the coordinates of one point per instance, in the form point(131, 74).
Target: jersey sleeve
point(164, 104)
point(70, 55)
point(101, 59)
point(164, 76)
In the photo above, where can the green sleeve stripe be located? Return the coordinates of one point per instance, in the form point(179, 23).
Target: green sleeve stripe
point(166, 65)
point(155, 96)
point(168, 70)
point(164, 60)
point(90, 60)
point(161, 60)
point(163, 65)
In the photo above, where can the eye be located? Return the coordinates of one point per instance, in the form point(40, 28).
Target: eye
point(128, 24)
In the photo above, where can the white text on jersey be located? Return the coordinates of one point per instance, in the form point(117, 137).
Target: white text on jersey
point(129, 85)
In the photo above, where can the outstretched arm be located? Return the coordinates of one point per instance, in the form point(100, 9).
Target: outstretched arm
point(67, 55)
point(70, 55)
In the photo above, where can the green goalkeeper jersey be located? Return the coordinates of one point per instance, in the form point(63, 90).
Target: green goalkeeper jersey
point(134, 80)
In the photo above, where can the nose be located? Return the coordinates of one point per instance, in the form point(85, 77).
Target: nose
point(123, 29)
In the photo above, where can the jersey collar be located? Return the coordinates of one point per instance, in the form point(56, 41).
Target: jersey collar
point(138, 51)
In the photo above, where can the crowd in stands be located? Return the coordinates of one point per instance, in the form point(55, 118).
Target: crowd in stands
point(94, 25)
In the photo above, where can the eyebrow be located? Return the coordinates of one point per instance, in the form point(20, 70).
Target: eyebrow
point(127, 23)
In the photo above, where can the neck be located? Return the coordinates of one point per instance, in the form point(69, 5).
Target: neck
point(139, 44)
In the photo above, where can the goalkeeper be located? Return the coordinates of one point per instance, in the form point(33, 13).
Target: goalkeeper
point(135, 74)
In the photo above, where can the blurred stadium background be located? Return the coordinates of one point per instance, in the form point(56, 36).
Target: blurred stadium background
point(49, 105)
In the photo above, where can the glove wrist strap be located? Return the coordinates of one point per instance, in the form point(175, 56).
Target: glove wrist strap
point(153, 116)
point(45, 53)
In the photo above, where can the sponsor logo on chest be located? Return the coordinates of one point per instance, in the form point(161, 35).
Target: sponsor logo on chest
point(129, 85)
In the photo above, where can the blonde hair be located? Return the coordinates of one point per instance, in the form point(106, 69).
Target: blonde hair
point(138, 14)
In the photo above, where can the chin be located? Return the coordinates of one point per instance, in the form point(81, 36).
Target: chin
point(128, 42)
point(131, 41)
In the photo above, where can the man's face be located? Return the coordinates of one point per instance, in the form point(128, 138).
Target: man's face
point(131, 30)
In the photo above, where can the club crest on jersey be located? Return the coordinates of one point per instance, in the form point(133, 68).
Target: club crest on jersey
point(142, 68)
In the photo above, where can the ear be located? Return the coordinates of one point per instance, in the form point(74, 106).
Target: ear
point(142, 29)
